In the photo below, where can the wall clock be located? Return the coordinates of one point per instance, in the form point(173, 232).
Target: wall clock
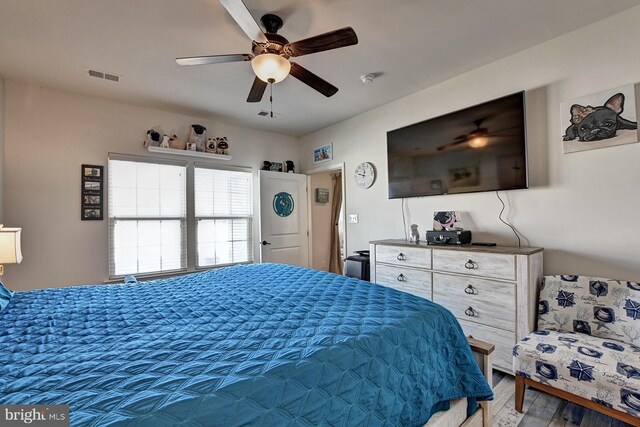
point(365, 175)
point(283, 204)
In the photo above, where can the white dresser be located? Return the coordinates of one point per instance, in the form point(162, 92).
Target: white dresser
point(492, 291)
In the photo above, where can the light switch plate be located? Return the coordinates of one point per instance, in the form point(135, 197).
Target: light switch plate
point(353, 218)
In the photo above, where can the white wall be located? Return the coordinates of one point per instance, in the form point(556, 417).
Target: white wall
point(583, 208)
point(320, 221)
point(48, 135)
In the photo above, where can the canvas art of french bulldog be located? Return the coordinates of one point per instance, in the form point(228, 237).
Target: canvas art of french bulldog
point(598, 123)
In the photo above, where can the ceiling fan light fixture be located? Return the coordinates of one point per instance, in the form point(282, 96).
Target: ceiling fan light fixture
point(269, 66)
point(478, 141)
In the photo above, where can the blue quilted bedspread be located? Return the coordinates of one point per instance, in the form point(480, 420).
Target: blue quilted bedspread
point(248, 345)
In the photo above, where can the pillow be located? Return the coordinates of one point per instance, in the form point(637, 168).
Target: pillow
point(5, 296)
point(595, 306)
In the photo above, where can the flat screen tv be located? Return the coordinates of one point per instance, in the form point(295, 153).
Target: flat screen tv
point(481, 148)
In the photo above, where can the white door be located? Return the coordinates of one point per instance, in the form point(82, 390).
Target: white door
point(283, 218)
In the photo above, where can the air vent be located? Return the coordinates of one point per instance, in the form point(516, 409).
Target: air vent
point(98, 74)
point(102, 75)
point(111, 77)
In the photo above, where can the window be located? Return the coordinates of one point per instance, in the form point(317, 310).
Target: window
point(153, 225)
point(223, 214)
point(147, 216)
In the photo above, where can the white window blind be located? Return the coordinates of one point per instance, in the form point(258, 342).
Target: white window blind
point(147, 217)
point(224, 216)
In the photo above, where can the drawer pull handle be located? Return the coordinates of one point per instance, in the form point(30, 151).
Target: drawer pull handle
point(470, 290)
point(401, 278)
point(401, 257)
point(470, 265)
point(470, 312)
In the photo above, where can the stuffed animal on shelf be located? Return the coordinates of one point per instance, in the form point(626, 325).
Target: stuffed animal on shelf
point(266, 165)
point(152, 139)
point(176, 143)
point(191, 146)
point(291, 168)
point(165, 142)
point(211, 145)
point(198, 137)
point(222, 146)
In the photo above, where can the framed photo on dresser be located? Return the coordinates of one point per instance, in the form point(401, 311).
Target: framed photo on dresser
point(91, 193)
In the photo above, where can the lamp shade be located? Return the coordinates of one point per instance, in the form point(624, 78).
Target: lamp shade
point(10, 251)
point(271, 66)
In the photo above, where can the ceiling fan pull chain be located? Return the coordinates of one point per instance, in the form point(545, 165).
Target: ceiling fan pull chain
point(271, 81)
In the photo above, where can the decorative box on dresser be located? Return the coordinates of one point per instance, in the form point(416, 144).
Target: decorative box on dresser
point(491, 290)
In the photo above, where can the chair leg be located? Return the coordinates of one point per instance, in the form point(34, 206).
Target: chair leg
point(519, 392)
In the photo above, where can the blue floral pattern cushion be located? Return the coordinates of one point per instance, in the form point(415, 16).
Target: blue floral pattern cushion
point(600, 369)
point(590, 305)
point(5, 296)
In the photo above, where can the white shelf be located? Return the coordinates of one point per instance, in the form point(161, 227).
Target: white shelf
point(188, 153)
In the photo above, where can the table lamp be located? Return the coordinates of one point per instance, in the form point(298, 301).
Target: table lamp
point(10, 251)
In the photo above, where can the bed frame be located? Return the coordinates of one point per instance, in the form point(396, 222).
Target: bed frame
point(482, 416)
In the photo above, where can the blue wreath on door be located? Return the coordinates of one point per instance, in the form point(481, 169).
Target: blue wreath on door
point(283, 204)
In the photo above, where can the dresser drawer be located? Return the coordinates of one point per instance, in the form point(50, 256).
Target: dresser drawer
point(499, 266)
point(502, 357)
point(477, 300)
point(404, 256)
point(416, 282)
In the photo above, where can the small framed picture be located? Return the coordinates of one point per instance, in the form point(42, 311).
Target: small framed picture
point(92, 214)
point(91, 171)
point(91, 201)
point(323, 154)
point(92, 185)
point(322, 195)
point(277, 166)
point(445, 220)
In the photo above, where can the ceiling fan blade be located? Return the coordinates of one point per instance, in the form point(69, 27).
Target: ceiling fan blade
point(327, 41)
point(243, 17)
point(310, 79)
point(451, 144)
point(213, 59)
point(257, 90)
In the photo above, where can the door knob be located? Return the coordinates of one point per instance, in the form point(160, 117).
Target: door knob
point(264, 243)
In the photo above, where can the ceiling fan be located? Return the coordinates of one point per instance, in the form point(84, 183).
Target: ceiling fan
point(271, 51)
point(477, 138)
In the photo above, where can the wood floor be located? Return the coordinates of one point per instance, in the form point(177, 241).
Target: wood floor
point(541, 409)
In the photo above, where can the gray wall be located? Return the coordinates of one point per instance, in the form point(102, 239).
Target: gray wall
point(49, 134)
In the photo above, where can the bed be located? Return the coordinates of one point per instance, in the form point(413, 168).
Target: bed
point(263, 344)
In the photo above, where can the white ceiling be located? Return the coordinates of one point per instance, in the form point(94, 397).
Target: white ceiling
point(410, 44)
